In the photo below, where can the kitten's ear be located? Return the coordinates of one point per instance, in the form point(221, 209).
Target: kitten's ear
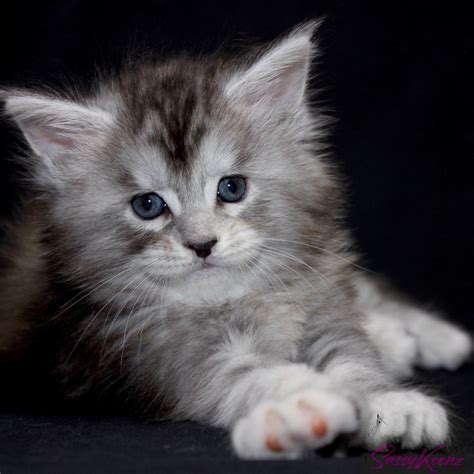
point(276, 81)
point(56, 129)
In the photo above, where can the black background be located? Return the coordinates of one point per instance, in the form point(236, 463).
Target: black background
point(400, 79)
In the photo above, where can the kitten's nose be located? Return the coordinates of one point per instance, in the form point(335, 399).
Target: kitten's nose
point(202, 249)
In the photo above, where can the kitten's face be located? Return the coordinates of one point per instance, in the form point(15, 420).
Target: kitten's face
point(172, 212)
point(183, 179)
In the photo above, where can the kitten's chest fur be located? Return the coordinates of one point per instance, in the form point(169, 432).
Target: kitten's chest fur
point(279, 321)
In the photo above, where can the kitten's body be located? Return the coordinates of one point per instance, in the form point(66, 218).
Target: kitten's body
point(271, 336)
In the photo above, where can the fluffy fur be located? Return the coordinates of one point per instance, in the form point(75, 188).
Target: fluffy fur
point(275, 336)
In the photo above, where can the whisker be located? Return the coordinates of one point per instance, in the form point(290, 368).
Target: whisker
point(322, 250)
point(292, 302)
point(118, 312)
point(295, 272)
point(94, 318)
point(146, 289)
point(298, 260)
point(84, 294)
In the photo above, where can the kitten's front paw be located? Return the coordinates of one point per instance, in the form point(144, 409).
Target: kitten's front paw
point(307, 420)
point(417, 339)
point(408, 417)
point(441, 345)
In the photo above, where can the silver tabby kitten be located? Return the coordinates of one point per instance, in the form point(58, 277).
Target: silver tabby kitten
point(183, 241)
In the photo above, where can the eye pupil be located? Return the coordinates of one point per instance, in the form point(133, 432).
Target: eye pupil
point(231, 189)
point(232, 186)
point(147, 203)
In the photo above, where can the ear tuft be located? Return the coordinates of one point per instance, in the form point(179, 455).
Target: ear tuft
point(276, 82)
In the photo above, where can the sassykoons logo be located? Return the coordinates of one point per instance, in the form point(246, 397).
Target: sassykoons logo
point(429, 460)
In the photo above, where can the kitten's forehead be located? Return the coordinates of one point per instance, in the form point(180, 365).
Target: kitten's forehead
point(170, 108)
point(181, 130)
point(150, 169)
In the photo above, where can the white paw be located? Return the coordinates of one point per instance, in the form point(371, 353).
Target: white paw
point(397, 346)
point(413, 337)
point(309, 419)
point(408, 417)
point(441, 345)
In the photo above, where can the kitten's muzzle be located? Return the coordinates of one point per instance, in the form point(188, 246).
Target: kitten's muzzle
point(202, 249)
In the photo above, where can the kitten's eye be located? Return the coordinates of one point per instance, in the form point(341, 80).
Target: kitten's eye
point(148, 206)
point(231, 189)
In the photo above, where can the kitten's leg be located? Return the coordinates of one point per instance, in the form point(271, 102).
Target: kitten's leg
point(392, 413)
point(336, 346)
point(273, 411)
point(340, 349)
point(237, 373)
point(409, 336)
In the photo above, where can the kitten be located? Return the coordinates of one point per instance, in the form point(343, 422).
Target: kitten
point(182, 248)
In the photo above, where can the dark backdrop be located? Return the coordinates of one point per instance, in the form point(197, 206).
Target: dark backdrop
point(399, 78)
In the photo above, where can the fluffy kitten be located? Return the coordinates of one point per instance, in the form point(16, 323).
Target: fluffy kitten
point(182, 248)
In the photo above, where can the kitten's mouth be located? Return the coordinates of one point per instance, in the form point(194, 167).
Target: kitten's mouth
point(205, 266)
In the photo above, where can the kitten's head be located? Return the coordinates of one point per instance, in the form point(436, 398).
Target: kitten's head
point(188, 175)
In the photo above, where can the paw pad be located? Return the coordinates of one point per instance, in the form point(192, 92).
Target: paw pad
point(319, 427)
point(273, 444)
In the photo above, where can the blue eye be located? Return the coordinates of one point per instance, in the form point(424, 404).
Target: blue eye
point(231, 189)
point(148, 206)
